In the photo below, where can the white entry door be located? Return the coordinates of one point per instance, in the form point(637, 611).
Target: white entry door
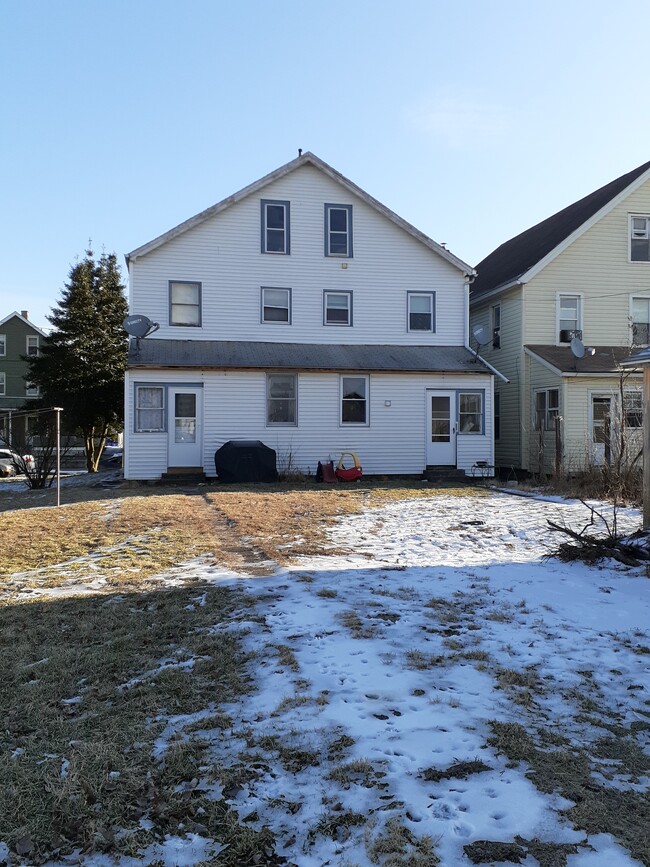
point(441, 428)
point(184, 426)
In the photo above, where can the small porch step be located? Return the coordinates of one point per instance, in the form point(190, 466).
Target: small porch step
point(443, 474)
point(183, 476)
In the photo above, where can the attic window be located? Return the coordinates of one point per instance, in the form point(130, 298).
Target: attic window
point(639, 238)
point(338, 230)
point(184, 303)
point(275, 227)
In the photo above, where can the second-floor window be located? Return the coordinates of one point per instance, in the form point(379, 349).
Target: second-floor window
point(569, 318)
point(32, 344)
point(337, 308)
point(639, 238)
point(547, 408)
point(641, 321)
point(184, 303)
point(3, 383)
point(496, 326)
point(421, 311)
point(3, 344)
point(338, 230)
point(275, 227)
point(276, 304)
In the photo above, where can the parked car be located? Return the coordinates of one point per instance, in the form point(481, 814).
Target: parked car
point(11, 462)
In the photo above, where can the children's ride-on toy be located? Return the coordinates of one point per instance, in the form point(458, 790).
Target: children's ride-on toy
point(353, 473)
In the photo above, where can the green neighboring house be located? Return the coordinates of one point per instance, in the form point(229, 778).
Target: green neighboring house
point(18, 338)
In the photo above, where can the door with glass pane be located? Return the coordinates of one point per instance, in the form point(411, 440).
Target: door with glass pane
point(184, 426)
point(441, 428)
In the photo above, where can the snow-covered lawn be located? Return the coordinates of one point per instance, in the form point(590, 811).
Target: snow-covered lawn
point(442, 687)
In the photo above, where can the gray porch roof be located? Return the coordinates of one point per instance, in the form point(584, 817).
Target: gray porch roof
point(605, 360)
point(231, 354)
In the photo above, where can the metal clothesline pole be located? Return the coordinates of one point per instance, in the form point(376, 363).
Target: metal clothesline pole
point(58, 410)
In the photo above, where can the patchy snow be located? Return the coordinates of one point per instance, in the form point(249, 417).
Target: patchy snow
point(443, 616)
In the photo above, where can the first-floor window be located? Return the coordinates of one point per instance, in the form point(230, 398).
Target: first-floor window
point(338, 308)
point(547, 408)
point(497, 415)
point(149, 408)
point(470, 412)
point(3, 383)
point(354, 400)
point(421, 311)
point(641, 321)
point(184, 303)
point(633, 406)
point(276, 304)
point(281, 399)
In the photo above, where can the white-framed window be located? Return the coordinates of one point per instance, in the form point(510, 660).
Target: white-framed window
point(337, 308)
point(639, 238)
point(32, 390)
point(569, 317)
point(184, 303)
point(275, 227)
point(338, 230)
point(3, 383)
point(470, 412)
point(496, 326)
point(149, 408)
point(641, 321)
point(497, 415)
point(547, 408)
point(3, 344)
point(633, 408)
point(32, 344)
point(282, 399)
point(421, 309)
point(354, 399)
point(276, 304)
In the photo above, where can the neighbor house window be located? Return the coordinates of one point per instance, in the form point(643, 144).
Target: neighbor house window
point(639, 238)
point(32, 390)
point(421, 311)
point(338, 308)
point(470, 412)
point(275, 227)
point(281, 399)
point(496, 326)
point(633, 408)
point(149, 408)
point(184, 303)
point(276, 304)
point(640, 321)
point(3, 383)
point(569, 318)
point(547, 408)
point(32, 344)
point(3, 344)
point(338, 230)
point(354, 400)
point(497, 415)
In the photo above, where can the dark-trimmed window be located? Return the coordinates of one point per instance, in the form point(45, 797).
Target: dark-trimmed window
point(421, 311)
point(354, 400)
point(470, 412)
point(337, 308)
point(338, 230)
point(281, 399)
point(275, 226)
point(184, 303)
point(496, 326)
point(276, 304)
point(547, 408)
point(497, 415)
point(149, 408)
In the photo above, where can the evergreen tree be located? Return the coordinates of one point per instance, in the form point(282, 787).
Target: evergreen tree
point(81, 365)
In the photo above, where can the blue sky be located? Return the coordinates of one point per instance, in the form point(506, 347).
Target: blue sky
point(473, 120)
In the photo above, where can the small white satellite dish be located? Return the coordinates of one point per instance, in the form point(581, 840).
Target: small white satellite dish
point(577, 347)
point(139, 326)
point(481, 335)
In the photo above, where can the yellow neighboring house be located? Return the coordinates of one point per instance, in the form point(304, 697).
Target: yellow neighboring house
point(556, 309)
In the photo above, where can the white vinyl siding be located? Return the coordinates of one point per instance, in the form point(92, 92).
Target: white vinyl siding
point(223, 254)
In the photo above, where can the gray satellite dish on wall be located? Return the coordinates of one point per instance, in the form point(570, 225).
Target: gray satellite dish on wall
point(577, 347)
point(481, 335)
point(139, 326)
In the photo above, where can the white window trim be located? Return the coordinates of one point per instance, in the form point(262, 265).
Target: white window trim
point(347, 292)
point(631, 217)
point(641, 296)
point(281, 423)
point(366, 377)
point(32, 390)
point(35, 337)
point(629, 392)
point(546, 427)
point(3, 383)
point(329, 207)
point(3, 345)
point(581, 311)
point(286, 205)
point(431, 295)
point(263, 305)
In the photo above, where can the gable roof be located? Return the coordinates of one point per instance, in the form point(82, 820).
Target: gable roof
point(22, 319)
point(511, 262)
point(307, 158)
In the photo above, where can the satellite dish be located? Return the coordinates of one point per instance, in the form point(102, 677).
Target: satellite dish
point(139, 326)
point(577, 347)
point(481, 335)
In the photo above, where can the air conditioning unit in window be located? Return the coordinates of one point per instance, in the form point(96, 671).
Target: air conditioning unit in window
point(567, 335)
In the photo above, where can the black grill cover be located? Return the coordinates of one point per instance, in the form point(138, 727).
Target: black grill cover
point(245, 461)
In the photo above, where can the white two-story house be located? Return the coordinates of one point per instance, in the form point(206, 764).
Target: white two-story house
point(560, 306)
point(303, 313)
